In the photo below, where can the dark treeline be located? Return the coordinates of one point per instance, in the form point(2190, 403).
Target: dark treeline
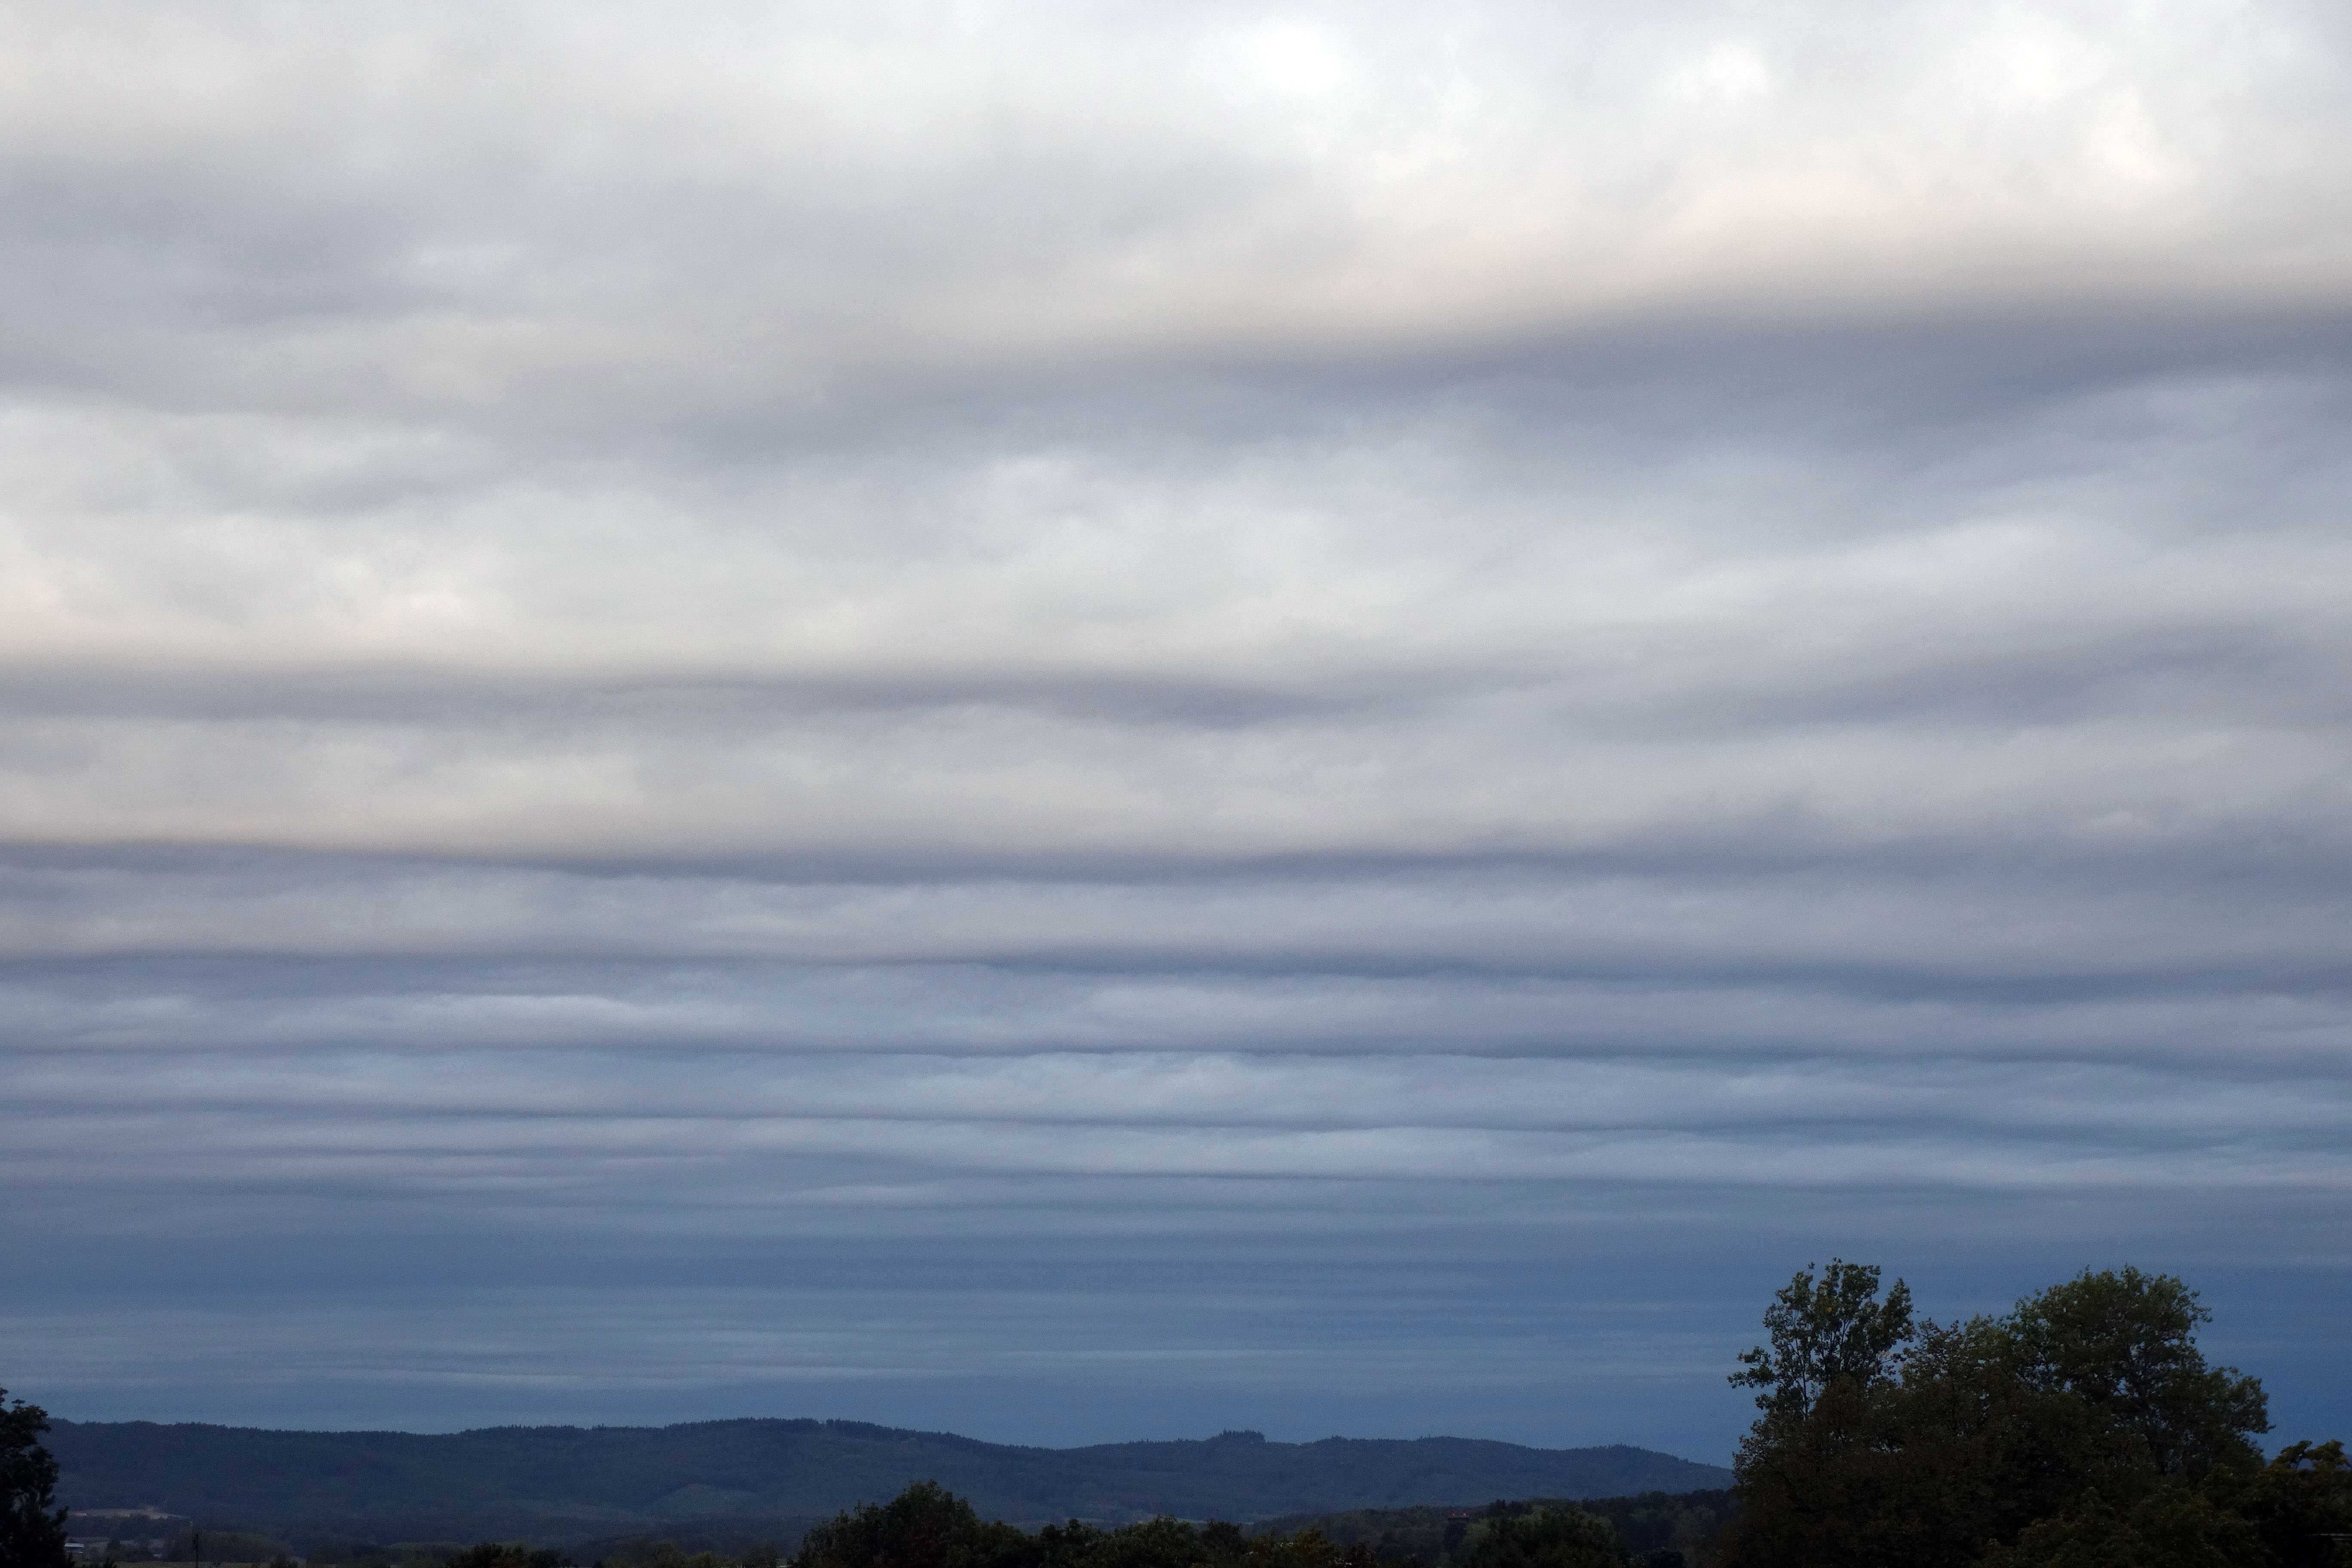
point(2084, 1429)
point(1655, 1525)
point(927, 1527)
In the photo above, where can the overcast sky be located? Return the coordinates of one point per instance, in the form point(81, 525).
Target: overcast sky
point(1095, 721)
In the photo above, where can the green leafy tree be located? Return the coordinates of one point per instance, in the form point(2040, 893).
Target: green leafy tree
point(1544, 1538)
point(1971, 1450)
point(1812, 1473)
point(1222, 1541)
point(1301, 1548)
point(2173, 1526)
point(32, 1525)
point(2301, 1503)
point(1148, 1544)
point(508, 1554)
point(2125, 1343)
point(1823, 1329)
point(926, 1526)
point(2082, 1427)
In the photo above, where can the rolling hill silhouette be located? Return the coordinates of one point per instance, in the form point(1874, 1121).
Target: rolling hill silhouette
point(565, 1482)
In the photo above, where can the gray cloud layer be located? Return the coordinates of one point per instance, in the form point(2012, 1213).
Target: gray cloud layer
point(1014, 698)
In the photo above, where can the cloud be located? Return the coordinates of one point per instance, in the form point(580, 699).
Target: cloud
point(1253, 658)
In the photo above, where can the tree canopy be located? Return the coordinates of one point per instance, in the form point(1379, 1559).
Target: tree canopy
point(1825, 1329)
point(926, 1526)
point(1544, 1538)
point(2083, 1428)
point(32, 1525)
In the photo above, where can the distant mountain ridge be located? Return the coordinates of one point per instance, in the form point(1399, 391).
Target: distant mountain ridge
point(557, 1483)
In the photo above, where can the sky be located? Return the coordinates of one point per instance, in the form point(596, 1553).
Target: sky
point(1092, 721)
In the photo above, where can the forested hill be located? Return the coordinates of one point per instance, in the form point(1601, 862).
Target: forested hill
point(552, 1481)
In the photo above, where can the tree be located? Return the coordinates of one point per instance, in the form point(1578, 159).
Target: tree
point(1308, 1548)
point(1975, 1450)
point(1823, 1329)
point(32, 1526)
point(1544, 1538)
point(1811, 1471)
point(512, 1554)
point(2125, 1343)
point(926, 1526)
point(2301, 1502)
point(2172, 1527)
point(2083, 1428)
